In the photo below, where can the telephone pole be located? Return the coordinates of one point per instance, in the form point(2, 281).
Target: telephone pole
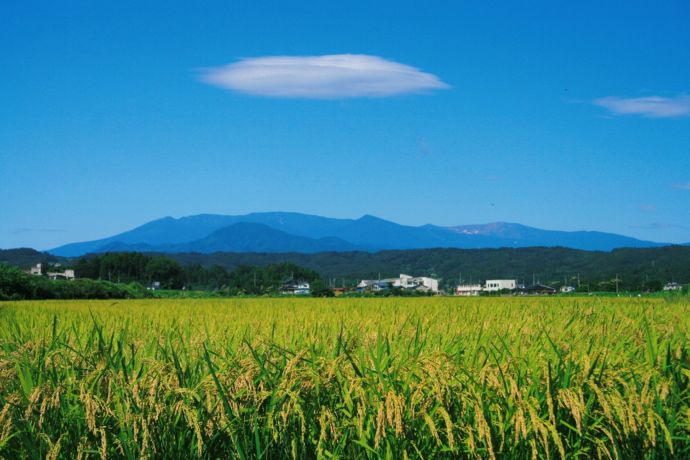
point(616, 280)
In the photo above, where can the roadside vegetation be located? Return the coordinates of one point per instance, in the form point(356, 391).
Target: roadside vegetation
point(18, 285)
point(131, 275)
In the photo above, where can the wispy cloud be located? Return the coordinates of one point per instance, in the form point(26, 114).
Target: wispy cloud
point(649, 107)
point(335, 76)
point(647, 207)
point(682, 186)
point(660, 226)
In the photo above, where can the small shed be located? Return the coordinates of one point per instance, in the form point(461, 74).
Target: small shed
point(539, 289)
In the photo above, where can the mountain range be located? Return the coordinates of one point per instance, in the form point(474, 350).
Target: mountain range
point(282, 232)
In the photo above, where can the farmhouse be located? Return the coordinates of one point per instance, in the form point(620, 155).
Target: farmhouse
point(468, 290)
point(489, 286)
point(296, 288)
point(339, 291)
point(417, 283)
point(154, 286)
point(66, 275)
point(373, 286)
point(673, 286)
point(37, 270)
point(539, 289)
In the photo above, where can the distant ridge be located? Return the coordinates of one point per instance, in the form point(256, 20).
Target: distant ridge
point(26, 257)
point(295, 232)
point(243, 237)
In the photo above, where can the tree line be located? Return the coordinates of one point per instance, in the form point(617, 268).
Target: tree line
point(16, 284)
point(125, 267)
point(642, 270)
point(629, 269)
point(132, 275)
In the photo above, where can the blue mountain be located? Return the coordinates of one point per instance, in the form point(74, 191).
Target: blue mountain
point(253, 237)
point(295, 232)
point(516, 235)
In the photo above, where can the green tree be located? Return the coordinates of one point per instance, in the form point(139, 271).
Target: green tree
point(164, 270)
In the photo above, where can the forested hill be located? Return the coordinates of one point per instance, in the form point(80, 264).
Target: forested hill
point(637, 268)
point(27, 257)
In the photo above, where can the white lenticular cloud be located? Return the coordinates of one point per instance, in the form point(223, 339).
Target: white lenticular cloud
point(650, 107)
point(335, 76)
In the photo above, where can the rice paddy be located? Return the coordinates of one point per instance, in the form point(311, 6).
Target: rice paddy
point(345, 378)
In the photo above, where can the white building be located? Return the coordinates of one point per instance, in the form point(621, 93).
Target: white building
point(419, 283)
point(66, 275)
point(37, 270)
point(403, 282)
point(424, 283)
point(367, 284)
point(499, 285)
point(373, 285)
point(296, 288)
point(673, 287)
point(468, 289)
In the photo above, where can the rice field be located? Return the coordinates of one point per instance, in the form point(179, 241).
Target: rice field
point(345, 378)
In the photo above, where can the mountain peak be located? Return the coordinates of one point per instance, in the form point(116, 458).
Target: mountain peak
point(369, 217)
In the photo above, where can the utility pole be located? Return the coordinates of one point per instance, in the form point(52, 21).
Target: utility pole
point(617, 280)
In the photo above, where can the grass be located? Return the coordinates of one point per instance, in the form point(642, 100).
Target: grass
point(345, 378)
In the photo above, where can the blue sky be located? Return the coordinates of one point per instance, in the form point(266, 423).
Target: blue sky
point(560, 115)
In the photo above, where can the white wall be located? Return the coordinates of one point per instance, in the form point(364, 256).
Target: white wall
point(497, 285)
